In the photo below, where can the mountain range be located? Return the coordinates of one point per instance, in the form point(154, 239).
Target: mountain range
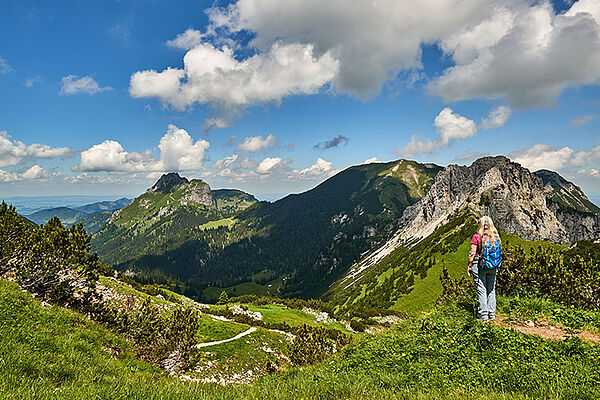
point(345, 238)
point(92, 215)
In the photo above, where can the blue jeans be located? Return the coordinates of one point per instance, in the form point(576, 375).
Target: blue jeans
point(485, 286)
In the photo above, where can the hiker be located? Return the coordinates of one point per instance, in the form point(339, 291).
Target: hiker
point(484, 259)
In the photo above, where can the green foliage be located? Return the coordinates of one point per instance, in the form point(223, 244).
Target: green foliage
point(357, 325)
point(154, 335)
point(13, 233)
point(569, 279)
point(50, 261)
point(223, 298)
point(56, 260)
point(313, 344)
point(461, 291)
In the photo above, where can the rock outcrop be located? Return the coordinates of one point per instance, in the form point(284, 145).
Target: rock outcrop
point(167, 182)
point(195, 191)
point(515, 198)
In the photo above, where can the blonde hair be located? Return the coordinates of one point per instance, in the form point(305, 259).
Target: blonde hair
point(487, 230)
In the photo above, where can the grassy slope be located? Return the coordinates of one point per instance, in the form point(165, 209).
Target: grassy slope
point(48, 352)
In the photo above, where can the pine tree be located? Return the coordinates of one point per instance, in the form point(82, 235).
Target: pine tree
point(223, 298)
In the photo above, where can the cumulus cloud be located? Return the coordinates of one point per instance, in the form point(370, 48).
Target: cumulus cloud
point(371, 160)
point(335, 142)
point(13, 152)
point(372, 40)
point(270, 169)
point(186, 40)
point(523, 53)
point(543, 156)
point(450, 127)
point(72, 84)
point(582, 119)
point(497, 118)
point(178, 152)
point(256, 143)
point(520, 51)
point(319, 168)
point(268, 164)
point(34, 173)
point(87, 178)
point(215, 76)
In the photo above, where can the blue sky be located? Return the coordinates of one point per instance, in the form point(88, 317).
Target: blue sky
point(101, 97)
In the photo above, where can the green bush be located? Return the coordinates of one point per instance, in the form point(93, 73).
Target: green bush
point(313, 344)
point(544, 272)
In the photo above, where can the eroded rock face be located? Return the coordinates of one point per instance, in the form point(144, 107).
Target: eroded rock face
point(198, 191)
point(513, 196)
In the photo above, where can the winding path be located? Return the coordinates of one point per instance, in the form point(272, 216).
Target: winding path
point(236, 337)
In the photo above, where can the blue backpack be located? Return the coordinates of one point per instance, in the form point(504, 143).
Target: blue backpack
point(491, 255)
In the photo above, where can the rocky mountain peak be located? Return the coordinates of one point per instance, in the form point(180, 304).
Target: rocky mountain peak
point(167, 182)
point(514, 197)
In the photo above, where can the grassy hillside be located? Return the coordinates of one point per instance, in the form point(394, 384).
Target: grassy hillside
point(232, 200)
point(49, 352)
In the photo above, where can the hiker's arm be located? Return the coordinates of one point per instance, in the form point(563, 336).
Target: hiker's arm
point(472, 254)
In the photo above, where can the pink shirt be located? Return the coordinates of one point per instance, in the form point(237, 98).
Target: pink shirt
point(476, 241)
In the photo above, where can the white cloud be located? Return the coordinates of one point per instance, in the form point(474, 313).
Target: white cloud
point(267, 164)
point(372, 40)
point(186, 40)
point(87, 178)
point(497, 118)
point(543, 156)
point(214, 76)
point(318, 169)
point(562, 159)
point(256, 143)
point(585, 157)
point(38, 173)
point(582, 119)
point(72, 84)
point(5, 67)
point(178, 152)
point(525, 54)
point(371, 160)
point(450, 127)
point(13, 152)
point(34, 173)
point(110, 156)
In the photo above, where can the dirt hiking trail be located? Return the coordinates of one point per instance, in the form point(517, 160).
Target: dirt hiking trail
point(544, 329)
